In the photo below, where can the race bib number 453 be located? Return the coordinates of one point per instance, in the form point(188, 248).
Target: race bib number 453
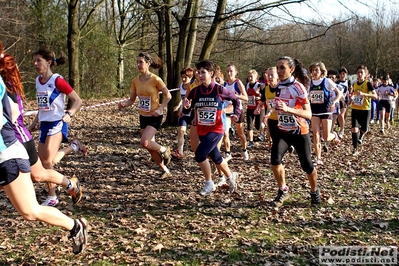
point(206, 116)
point(43, 101)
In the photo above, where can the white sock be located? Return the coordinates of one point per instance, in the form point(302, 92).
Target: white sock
point(75, 147)
point(163, 149)
point(52, 197)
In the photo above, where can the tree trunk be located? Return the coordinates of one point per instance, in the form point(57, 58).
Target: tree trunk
point(192, 35)
point(211, 37)
point(73, 44)
point(121, 67)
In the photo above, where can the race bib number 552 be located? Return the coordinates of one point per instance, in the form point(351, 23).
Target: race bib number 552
point(206, 116)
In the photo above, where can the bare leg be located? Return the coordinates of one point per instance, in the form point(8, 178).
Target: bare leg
point(22, 196)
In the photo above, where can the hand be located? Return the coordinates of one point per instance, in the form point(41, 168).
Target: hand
point(257, 111)
point(187, 103)
point(281, 106)
point(176, 108)
point(157, 112)
point(234, 118)
point(66, 118)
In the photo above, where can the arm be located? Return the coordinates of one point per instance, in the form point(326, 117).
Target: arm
point(228, 95)
point(166, 99)
point(372, 94)
point(129, 101)
point(243, 96)
point(306, 112)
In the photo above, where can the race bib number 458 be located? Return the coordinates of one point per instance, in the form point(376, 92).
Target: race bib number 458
point(287, 122)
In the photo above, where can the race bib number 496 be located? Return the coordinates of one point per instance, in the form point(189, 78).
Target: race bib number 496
point(317, 97)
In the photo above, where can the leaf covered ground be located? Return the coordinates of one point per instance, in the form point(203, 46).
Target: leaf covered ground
point(137, 218)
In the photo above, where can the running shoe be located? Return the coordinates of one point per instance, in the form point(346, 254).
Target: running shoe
point(261, 137)
point(382, 131)
point(222, 181)
point(245, 155)
point(79, 241)
point(319, 162)
point(250, 144)
point(166, 174)
point(355, 152)
point(75, 192)
point(77, 146)
point(177, 154)
point(372, 121)
point(280, 198)
point(50, 202)
point(337, 139)
point(341, 135)
point(166, 156)
point(209, 187)
point(232, 181)
point(315, 197)
point(228, 156)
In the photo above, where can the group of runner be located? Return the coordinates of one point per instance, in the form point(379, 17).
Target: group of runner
point(285, 101)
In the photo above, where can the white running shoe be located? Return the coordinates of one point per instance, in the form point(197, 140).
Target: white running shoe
point(50, 202)
point(209, 187)
point(228, 157)
point(245, 155)
point(232, 181)
point(222, 181)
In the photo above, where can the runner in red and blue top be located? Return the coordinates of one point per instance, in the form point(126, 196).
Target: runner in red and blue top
point(293, 109)
point(253, 88)
point(206, 100)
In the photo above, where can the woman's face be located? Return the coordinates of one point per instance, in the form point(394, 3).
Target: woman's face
point(185, 79)
point(342, 76)
point(41, 64)
point(271, 76)
point(205, 76)
point(284, 71)
point(142, 65)
point(231, 73)
point(316, 72)
point(251, 78)
point(361, 74)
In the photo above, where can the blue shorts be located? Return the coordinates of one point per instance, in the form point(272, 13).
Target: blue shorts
point(184, 121)
point(52, 128)
point(9, 170)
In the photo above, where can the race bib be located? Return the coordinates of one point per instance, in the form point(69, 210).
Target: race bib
point(206, 116)
point(251, 101)
point(287, 122)
point(358, 100)
point(43, 101)
point(317, 97)
point(271, 103)
point(145, 103)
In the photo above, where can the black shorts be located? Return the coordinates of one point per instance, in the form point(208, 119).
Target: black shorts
point(323, 116)
point(384, 104)
point(152, 121)
point(9, 170)
point(361, 118)
point(241, 119)
point(32, 152)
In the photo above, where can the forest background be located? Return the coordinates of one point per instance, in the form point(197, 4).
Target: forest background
point(103, 37)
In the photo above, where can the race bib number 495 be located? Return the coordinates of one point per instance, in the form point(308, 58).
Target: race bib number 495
point(145, 103)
